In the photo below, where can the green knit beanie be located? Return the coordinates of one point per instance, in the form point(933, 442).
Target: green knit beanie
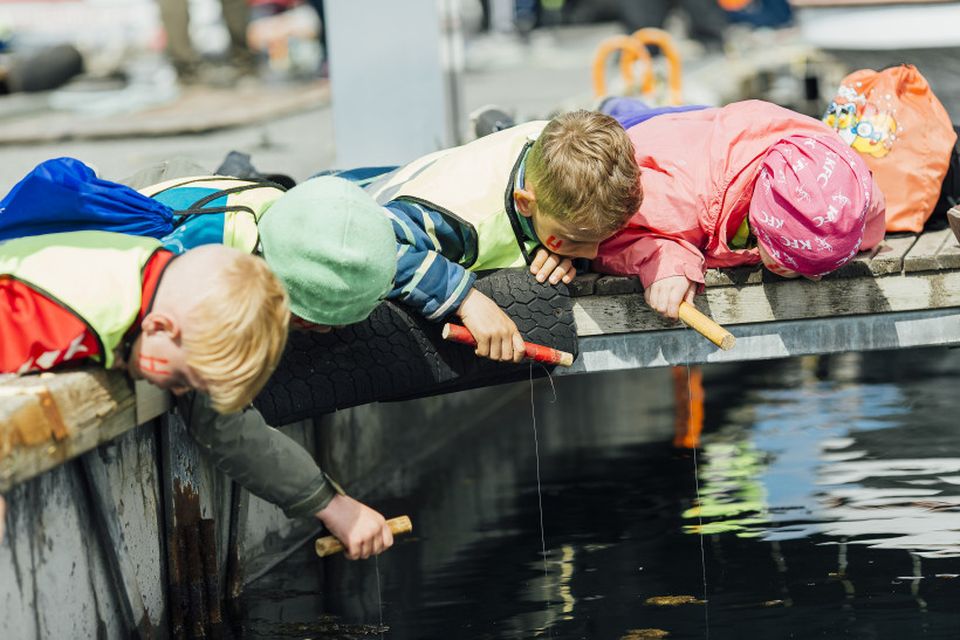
point(333, 247)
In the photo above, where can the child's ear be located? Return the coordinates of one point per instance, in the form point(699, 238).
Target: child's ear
point(154, 323)
point(526, 201)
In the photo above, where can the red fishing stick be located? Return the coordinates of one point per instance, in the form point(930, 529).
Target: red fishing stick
point(536, 352)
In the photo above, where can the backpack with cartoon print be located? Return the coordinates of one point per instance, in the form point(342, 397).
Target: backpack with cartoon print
point(896, 123)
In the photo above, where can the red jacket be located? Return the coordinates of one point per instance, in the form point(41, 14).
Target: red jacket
point(37, 334)
point(698, 171)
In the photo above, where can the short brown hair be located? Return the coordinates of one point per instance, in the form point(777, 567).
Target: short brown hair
point(235, 333)
point(583, 171)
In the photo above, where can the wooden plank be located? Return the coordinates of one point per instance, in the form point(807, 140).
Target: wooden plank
point(755, 274)
point(922, 256)
point(765, 340)
point(889, 256)
point(107, 520)
point(953, 219)
point(54, 582)
point(612, 285)
point(949, 255)
point(583, 284)
point(736, 276)
point(151, 401)
point(48, 419)
point(786, 300)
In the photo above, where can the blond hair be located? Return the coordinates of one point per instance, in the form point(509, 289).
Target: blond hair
point(583, 171)
point(235, 332)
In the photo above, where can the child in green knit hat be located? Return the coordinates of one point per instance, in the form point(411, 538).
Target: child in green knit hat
point(334, 249)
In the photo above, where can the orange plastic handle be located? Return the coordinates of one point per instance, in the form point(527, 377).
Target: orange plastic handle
point(661, 39)
point(631, 49)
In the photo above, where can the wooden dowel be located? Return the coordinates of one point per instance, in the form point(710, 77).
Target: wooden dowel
point(328, 545)
point(706, 327)
point(535, 352)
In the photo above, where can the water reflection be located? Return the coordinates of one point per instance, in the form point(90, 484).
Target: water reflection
point(828, 504)
point(814, 459)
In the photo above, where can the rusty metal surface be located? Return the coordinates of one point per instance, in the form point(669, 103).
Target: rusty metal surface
point(198, 500)
point(211, 577)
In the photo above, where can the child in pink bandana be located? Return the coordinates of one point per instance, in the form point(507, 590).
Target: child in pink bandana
point(747, 183)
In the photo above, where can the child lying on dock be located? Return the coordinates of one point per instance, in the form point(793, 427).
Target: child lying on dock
point(739, 185)
point(213, 319)
point(537, 195)
point(334, 250)
point(485, 205)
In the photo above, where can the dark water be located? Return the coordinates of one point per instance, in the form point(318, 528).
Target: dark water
point(829, 504)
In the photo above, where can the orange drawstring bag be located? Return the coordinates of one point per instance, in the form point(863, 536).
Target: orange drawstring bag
point(903, 132)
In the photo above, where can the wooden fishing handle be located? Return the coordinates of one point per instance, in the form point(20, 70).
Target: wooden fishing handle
point(706, 327)
point(535, 352)
point(328, 545)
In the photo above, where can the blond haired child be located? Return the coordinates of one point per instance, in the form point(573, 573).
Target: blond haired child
point(535, 195)
point(744, 184)
point(213, 319)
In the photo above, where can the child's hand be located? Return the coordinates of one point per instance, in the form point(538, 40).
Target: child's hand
point(550, 265)
point(665, 295)
point(362, 531)
point(496, 334)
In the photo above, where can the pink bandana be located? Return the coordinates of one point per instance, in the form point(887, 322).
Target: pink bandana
point(809, 204)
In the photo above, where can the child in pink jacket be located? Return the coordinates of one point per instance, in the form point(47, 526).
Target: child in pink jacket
point(746, 183)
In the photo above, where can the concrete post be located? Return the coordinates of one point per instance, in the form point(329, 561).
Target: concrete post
point(393, 74)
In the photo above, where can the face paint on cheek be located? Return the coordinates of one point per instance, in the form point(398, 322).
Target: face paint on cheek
point(553, 243)
point(156, 366)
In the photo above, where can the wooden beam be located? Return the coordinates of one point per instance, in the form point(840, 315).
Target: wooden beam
point(949, 256)
point(49, 418)
point(889, 256)
point(890, 261)
point(766, 340)
point(785, 300)
point(922, 256)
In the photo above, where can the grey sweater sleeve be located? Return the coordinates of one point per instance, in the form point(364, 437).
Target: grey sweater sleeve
point(263, 460)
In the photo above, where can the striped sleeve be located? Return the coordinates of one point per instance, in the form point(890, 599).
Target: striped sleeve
point(429, 279)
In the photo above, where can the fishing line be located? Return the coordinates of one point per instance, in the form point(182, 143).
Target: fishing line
point(536, 451)
point(376, 564)
point(696, 479)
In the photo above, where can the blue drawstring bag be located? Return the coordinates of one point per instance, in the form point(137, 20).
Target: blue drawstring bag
point(64, 194)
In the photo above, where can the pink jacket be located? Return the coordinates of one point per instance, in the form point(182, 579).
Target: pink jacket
point(698, 171)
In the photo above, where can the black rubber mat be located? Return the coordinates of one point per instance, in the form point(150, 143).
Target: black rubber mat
point(395, 354)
